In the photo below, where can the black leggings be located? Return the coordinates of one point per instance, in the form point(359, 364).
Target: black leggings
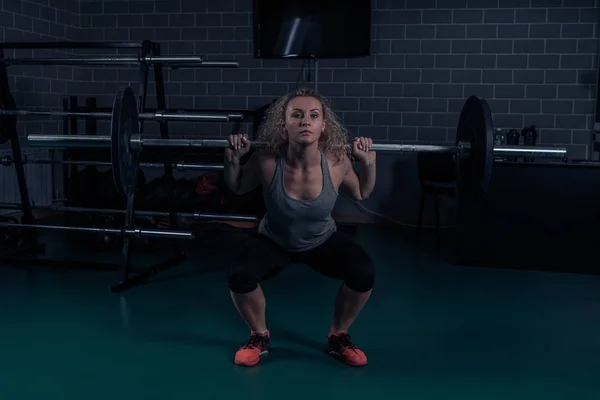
point(259, 258)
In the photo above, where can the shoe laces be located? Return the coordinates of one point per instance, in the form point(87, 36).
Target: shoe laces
point(345, 341)
point(255, 341)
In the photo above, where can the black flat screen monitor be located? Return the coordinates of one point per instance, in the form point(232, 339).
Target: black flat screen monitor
point(312, 28)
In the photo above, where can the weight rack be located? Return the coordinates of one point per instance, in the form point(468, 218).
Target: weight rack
point(148, 51)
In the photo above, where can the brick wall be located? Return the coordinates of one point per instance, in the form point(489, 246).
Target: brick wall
point(37, 86)
point(533, 59)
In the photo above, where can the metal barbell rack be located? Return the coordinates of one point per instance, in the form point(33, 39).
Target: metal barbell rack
point(149, 56)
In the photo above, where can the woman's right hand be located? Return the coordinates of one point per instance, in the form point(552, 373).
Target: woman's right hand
point(239, 145)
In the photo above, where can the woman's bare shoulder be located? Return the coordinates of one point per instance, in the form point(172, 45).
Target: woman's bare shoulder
point(337, 160)
point(267, 162)
point(265, 158)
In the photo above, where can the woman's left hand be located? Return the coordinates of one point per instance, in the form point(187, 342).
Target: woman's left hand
point(361, 149)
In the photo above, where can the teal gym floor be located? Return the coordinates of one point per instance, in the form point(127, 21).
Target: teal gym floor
point(431, 331)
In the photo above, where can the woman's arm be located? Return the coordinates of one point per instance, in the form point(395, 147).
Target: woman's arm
point(359, 186)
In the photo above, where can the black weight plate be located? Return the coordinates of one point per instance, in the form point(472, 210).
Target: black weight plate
point(476, 127)
point(124, 124)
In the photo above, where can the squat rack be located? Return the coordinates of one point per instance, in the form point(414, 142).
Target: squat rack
point(149, 55)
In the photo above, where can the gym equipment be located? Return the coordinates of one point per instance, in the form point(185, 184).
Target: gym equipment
point(137, 142)
point(158, 116)
point(119, 232)
point(474, 148)
point(124, 124)
point(7, 161)
point(144, 244)
point(175, 61)
point(191, 215)
point(475, 127)
point(8, 133)
point(147, 57)
point(8, 124)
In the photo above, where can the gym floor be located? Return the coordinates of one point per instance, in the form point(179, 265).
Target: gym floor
point(431, 331)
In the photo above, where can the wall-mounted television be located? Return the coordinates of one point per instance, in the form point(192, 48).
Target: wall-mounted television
point(312, 28)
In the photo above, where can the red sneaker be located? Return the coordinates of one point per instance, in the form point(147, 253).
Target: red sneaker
point(340, 345)
point(250, 352)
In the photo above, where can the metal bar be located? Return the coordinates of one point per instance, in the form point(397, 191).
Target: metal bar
point(125, 232)
point(530, 151)
point(69, 141)
point(126, 60)
point(233, 113)
point(220, 64)
point(69, 45)
point(220, 217)
point(199, 117)
point(7, 161)
point(24, 113)
point(104, 141)
point(71, 61)
point(157, 116)
point(410, 148)
point(193, 215)
point(176, 61)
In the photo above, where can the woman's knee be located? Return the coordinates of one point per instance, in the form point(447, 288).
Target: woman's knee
point(245, 266)
point(241, 280)
point(361, 275)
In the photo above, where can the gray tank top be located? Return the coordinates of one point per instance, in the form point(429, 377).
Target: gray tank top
point(298, 225)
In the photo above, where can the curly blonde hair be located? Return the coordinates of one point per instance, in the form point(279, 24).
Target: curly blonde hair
point(333, 140)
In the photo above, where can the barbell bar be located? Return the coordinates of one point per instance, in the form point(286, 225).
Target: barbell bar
point(122, 232)
point(157, 116)
point(196, 216)
point(179, 61)
point(138, 142)
point(7, 161)
point(474, 145)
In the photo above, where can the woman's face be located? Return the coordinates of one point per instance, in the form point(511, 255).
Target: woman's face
point(304, 121)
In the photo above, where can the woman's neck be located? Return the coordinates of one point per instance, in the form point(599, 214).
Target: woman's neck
point(303, 157)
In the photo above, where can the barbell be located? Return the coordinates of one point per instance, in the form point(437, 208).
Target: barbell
point(122, 232)
point(7, 161)
point(156, 116)
point(177, 61)
point(474, 147)
point(196, 216)
point(8, 123)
